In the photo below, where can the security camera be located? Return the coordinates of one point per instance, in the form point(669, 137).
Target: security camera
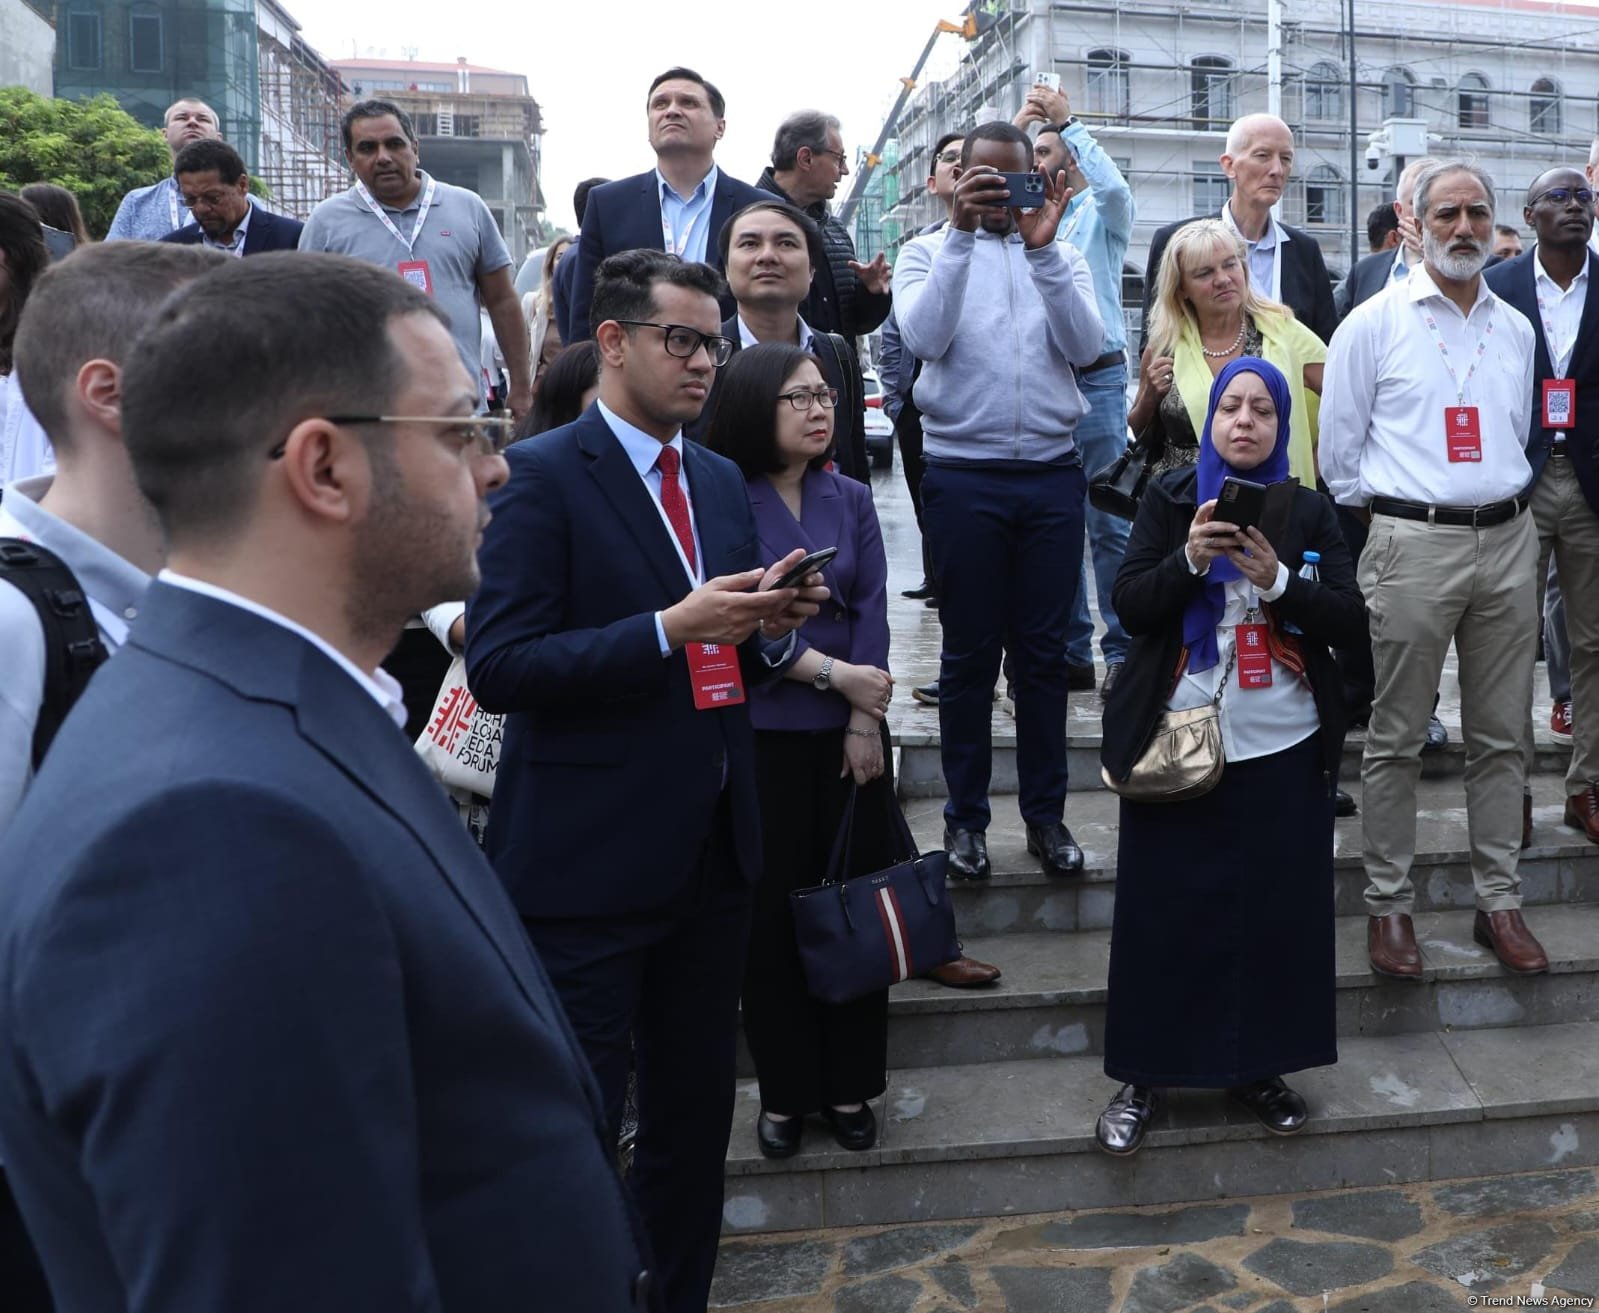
point(1374, 157)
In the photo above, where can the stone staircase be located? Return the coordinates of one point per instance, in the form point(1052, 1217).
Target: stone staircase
point(993, 1094)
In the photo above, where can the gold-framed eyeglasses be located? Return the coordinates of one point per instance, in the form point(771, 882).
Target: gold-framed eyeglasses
point(493, 433)
point(683, 341)
point(801, 398)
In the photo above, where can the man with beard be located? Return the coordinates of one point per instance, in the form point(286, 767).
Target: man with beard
point(148, 214)
point(1424, 427)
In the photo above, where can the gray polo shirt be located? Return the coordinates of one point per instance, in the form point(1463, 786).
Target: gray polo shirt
point(459, 242)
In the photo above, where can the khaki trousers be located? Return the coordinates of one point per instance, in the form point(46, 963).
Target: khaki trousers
point(1569, 527)
point(1426, 585)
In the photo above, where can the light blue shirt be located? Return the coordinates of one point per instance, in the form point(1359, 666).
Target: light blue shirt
point(1099, 223)
point(688, 219)
point(147, 214)
point(1262, 254)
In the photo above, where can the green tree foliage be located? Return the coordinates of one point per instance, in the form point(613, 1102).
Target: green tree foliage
point(93, 148)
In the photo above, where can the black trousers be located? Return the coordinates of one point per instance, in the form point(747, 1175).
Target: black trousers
point(908, 429)
point(659, 993)
point(420, 663)
point(22, 1285)
point(1355, 663)
point(810, 1054)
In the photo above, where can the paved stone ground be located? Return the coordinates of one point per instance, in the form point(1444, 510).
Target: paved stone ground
point(1427, 1248)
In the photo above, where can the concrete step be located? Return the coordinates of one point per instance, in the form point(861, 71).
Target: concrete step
point(1051, 999)
point(1560, 867)
point(1000, 1138)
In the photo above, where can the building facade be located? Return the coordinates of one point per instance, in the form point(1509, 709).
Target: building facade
point(479, 128)
point(27, 46)
point(301, 153)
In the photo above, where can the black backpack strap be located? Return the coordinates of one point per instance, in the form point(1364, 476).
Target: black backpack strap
point(72, 647)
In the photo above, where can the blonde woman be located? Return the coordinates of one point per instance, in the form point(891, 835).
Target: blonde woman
point(1205, 315)
point(538, 308)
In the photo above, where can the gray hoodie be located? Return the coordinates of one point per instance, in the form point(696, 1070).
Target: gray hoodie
point(997, 328)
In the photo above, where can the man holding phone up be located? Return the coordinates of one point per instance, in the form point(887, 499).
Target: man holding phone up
point(994, 298)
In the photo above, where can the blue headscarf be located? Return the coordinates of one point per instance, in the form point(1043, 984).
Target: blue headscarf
point(1204, 613)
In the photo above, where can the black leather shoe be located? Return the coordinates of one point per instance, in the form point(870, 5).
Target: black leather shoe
point(926, 694)
point(968, 854)
point(1277, 1107)
point(853, 1130)
point(1344, 805)
point(931, 603)
point(1054, 846)
point(779, 1139)
point(1080, 678)
point(1122, 1126)
point(1437, 735)
point(921, 592)
point(1113, 672)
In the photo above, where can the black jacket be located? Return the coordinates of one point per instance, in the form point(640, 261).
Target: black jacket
point(1154, 586)
point(837, 303)
point(1369, 276)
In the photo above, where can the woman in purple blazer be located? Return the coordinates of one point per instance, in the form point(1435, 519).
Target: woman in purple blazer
point(815, 730)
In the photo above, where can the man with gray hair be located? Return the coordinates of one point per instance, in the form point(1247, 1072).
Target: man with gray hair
point(1424, 420)
point(808, 163)
point(1374, 272)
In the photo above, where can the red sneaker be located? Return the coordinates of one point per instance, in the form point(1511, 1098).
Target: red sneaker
point(1560, 722)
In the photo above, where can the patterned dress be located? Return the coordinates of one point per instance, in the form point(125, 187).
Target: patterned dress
point(1176, 426)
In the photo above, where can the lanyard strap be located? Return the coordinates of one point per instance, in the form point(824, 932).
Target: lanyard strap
point(675, 245)
point(1549, 339)
point(1443, 350)
point(182, 220)
point(383, 215)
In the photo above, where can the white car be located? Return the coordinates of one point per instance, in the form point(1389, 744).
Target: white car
point(879, 428)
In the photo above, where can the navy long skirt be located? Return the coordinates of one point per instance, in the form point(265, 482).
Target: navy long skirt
point(1221, 951)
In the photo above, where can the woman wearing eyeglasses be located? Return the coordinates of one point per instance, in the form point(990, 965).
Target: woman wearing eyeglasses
point(815, 730)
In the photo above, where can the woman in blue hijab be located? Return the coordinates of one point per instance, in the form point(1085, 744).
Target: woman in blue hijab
point(1221, 962)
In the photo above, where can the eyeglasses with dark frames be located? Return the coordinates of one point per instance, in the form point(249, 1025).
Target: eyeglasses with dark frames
point(1562, 195)
point(683, 341)
point(801, 398)
point(843, 159)
point(492, 432)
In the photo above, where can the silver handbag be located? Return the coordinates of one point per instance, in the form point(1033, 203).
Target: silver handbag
point(1184, 757)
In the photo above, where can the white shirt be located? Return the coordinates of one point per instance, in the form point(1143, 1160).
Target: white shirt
point(1561, 311)
point(381, 686)
point(25, 451)
point(748, 339)
point(1265, 255)
point(235, 248)
point(1387, 386)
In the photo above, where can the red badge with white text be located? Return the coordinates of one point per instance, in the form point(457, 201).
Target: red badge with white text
point(1254, 657)
point(714, 673)
point(1559, 403)
point(1462, 434)
point(416, 273)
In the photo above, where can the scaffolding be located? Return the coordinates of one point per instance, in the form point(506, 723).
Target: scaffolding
point(301, 153)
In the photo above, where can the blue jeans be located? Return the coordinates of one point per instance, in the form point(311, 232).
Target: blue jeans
point(1007, 545)
point(1101, 437)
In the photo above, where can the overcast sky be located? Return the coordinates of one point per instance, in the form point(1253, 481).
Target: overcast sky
point(589, 64)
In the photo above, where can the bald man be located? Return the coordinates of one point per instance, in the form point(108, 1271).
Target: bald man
point(1285, 263)
point(149, 213)
point(1374, 272)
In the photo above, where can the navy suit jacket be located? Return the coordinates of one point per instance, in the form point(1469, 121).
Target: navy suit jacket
point(271, 1035)
point(267, 232)
point(852, 625)
point(561, 291)
point(609, 779)
point(625, 215)
point(1369, 276)
point(1515, 280)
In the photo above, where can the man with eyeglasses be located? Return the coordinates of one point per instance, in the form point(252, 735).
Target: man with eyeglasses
point(1551, 286)
point(622, 615)
point(148, 214)
point(216, 190)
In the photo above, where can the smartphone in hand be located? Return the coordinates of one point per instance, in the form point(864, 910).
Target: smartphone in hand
point(813, 562)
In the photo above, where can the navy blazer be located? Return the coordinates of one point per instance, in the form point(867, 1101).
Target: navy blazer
point(852, 625)
point(561, 291)
point(271, 1035)
point(625, 215)
point(1515, 280)
point(609, 779)
point(267, 232)
point(1369, 276)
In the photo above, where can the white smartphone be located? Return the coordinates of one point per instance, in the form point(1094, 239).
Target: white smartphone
point(1050, 80)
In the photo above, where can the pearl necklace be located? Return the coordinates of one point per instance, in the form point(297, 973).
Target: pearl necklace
point(1237, 342)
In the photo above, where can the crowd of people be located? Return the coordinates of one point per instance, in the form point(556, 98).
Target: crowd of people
point(277, 1028)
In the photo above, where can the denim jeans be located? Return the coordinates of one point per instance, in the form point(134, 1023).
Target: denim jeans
point(1101, 437)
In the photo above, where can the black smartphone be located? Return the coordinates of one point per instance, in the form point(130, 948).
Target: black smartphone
point(1249, 505)
point(1026, 190)
point(815, 561)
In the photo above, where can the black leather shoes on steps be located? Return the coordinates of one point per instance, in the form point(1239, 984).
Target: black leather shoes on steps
point(968, 854)
point(1121, 1128)
point(1277, 1108)
point(853, 1130)
point(1054, 846)
point(779, 1139)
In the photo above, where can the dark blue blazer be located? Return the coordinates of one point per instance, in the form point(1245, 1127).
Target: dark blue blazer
point(561, 291)
point(267, 232)
point(852, 625)
point(609, 779)
point(625, 215)
point(1516, 281)
point(271, 1034)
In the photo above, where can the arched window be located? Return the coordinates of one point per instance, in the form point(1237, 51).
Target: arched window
point(84, 44)
point(1471, 101)
point(1324, 195)
point(1324, 92)
point(146, 47)
point(1107, 83)
point(1213, 90)
point(1398, 94)
point(1544, 110)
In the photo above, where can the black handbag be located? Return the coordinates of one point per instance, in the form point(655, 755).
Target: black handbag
point(1117, 488)
point(859, 936)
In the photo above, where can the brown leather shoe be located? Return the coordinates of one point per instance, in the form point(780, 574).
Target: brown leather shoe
point(1526, 821)
point(964, 973)
point(1582, 812)
point(1512, 943)
point(1391, 946)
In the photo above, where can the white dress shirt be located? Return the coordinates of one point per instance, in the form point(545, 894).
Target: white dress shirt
point(748, 339)
point(378, 684)
point(235, 248)
point(1561, 309)
point(1387, 387)
point(1265, 254)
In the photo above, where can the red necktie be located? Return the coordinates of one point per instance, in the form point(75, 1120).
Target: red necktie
point(674, 503)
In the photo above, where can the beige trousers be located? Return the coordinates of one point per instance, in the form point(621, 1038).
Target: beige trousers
point(1426, 585)
point(1567, 525)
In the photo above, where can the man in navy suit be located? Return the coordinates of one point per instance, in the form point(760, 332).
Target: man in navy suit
point(216, 189)
point(620, 620)
point(271, 1036)
point(679, 206)
point(1553, 286)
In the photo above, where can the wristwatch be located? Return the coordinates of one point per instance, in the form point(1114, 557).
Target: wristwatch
point(1060, 128)
point(824, 676)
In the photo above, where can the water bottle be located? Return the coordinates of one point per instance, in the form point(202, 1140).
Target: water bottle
point(1308, 570)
